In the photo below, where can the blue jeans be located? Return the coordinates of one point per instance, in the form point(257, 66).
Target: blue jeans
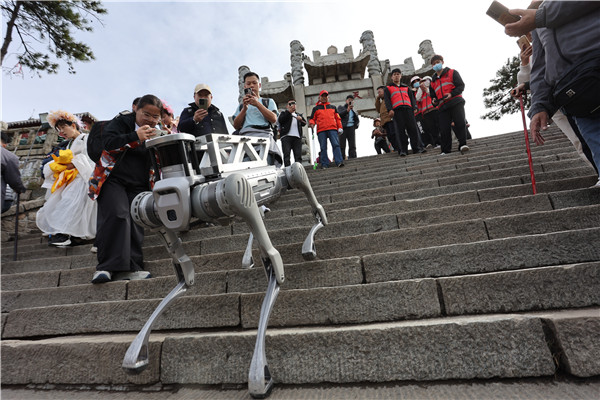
point(335, 145)
point(590, 130)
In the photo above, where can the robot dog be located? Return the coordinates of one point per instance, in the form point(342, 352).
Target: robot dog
point(231, 180)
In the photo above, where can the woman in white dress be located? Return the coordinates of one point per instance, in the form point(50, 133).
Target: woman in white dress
point(68, 215)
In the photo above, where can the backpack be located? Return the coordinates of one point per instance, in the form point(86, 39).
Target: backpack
point(94, 142)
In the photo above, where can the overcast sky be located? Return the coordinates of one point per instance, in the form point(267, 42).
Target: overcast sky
point(166, 48)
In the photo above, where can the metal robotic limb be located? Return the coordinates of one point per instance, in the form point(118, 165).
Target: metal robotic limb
point(218, 189)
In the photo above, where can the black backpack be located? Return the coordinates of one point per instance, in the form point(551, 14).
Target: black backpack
point(94, 142)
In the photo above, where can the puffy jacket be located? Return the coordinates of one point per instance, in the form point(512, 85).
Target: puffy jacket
point(567, 31)
point(448, 82)
point(188, 125)
point(325, 117)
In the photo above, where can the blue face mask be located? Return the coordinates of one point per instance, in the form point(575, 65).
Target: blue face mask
point(438, 67)
point(416, 85)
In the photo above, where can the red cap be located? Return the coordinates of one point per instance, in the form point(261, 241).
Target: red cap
point(323, 92)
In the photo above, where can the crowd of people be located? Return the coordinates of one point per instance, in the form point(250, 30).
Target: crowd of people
point(90, 200)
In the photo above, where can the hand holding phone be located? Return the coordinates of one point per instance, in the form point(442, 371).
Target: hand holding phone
point(500, 13)
point(248, 91)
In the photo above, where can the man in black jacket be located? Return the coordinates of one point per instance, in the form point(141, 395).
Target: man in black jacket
point(118, 238)
point(202, 117)
point(350, 123)
point(291, 124)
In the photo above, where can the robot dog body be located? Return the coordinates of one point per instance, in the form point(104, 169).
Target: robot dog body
point(231, 180)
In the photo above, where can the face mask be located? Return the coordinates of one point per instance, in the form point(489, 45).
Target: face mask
point(416, 85)
point(438, 67)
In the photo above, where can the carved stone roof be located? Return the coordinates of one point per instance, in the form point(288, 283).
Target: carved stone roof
point(336, 70)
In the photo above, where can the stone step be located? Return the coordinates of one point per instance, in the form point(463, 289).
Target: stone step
point(537, 288)
point(466, 347)
point(44, 252)
point(564, 388)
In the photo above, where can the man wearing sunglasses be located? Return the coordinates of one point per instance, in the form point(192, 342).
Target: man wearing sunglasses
point(291, 124)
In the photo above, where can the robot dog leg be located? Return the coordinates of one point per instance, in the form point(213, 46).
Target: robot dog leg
point(136, 358)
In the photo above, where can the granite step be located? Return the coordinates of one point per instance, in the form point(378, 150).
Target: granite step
point(447, 348)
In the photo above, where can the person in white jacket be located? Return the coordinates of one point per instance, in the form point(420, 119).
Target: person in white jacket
point(69, 215)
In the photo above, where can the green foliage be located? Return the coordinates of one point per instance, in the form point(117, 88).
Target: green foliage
point(49, 23)
point(497, 97)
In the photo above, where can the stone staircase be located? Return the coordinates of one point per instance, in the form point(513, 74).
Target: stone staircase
point(432, 268)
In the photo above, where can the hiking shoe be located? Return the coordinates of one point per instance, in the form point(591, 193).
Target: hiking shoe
point(60, 239)
point(463, 149)
point(340, 165)
point(101, 277)
point(132, 275)
point(429, 146)
point(94, 249)
point(402, 154)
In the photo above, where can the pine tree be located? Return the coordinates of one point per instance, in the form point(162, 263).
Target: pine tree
point(49, 23)
point(497, 97)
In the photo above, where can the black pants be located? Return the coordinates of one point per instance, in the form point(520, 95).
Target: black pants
point(289, 144)
point(404, 118)
point(454, 114)
point(390, 128)
point(431, 126)
point(349, 135)
point(381, 145)
point(118, 238)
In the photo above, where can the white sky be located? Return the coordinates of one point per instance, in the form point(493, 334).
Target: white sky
point(166, 48)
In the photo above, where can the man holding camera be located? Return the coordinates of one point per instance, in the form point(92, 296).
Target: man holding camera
point(291, 124)
point(350, 123)
point(202, 117)
point(256, 116)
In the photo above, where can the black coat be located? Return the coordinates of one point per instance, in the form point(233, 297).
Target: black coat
point(285, 122)
point(213, 123)
point(345, 114)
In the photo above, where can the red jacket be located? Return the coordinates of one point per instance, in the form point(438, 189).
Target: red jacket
point(326, 117)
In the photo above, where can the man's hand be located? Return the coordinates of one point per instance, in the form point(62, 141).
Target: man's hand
point(200, 114)
point(526, 53)
point(340, 131)
point(145, 132)
point(447, 96)
point(251, 99)
point(312, 126)
point(391, 113)
point(539, 123)
point(525, 25)
point(299, 118)
point(518, 91)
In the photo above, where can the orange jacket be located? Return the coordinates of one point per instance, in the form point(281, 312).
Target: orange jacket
point(326, 117)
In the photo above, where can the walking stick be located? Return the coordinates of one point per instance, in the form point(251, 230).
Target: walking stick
point(314, 147)
point(527, 144)
point(16, 228)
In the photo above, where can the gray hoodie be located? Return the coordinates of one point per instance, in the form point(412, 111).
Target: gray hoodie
point(566, 31)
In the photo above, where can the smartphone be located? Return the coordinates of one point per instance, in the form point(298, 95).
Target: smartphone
point(248, 91)
point(203, 104)
point(523, 42)
point(500, 13)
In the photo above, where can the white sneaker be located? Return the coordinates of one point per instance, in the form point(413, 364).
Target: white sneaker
point(463, 149)
point(94, 249)
point(101, 277)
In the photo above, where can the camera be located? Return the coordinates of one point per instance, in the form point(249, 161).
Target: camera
point(248, 91)
point(160, 132)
